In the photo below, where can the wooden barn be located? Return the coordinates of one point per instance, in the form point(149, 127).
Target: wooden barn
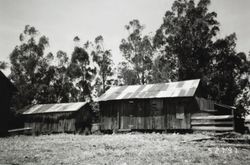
point(59, 118)
point(7, 89)
point(162, 107)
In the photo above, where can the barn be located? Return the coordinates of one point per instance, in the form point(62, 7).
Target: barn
point(7, 89)
point(163, 107)
point(59, 118)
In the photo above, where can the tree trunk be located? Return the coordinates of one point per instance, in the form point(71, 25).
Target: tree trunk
point(142, 78)
point(103, 83)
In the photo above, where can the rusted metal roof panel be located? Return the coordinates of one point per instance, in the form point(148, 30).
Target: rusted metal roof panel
point(164, 90)
point(50, 108)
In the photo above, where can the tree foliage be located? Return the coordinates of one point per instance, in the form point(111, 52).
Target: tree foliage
point(82, 73)
point(185, 46)
point(188, 36)
point(165, 68)
point(127, 75)
point(226, 70)
point(28, 66)
point(137, 50)
point(35, 75)
point(243, 101)
point(187, 32)
point(103, 58)
point(3, 65)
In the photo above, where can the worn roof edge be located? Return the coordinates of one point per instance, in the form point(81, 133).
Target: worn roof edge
point(27, 111)
point(145, 98)
point(157, 83)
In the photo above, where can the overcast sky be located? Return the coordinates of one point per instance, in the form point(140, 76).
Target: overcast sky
point(62, 20)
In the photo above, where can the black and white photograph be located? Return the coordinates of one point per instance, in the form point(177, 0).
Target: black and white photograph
point(124, 82)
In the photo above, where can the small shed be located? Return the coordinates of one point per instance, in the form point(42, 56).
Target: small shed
point(7, 89)
point(162, 107)
point(59, 118)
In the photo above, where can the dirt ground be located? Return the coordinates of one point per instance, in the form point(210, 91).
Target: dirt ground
point(125, 149)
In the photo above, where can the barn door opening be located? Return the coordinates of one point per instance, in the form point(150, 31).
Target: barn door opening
point(180, 116)
point(125, 115)
point(156, 107)
point(177, 116)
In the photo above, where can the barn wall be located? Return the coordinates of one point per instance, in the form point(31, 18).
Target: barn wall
point(70, 122)
point(178, 112)
point(147, 114)
point(50, 123)
point(5, 100)
point(83, 120)
point(211, 117)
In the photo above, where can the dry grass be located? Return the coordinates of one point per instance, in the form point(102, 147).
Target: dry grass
point(118, 149)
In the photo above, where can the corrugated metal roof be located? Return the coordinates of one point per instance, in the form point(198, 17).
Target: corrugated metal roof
point(164, 90)
point(49, 108)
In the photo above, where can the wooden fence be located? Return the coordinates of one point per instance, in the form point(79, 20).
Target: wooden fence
point(212, 117)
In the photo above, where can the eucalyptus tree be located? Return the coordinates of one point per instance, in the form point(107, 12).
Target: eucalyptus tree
point(81, 72)
point(137, 50)
point(27, 61)
point(228, 70)
point(187, 33)
point(188, 36)
point(103, 58)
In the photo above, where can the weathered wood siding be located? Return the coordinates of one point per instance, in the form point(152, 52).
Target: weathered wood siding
point(43, 127)
point(212, 117)
point(70, 122)
point(179, 113)
point(147, 114)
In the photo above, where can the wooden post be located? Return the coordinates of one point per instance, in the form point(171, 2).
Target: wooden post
point(118, 119)
point(233, 120)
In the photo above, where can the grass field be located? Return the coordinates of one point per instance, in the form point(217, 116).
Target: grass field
point(119, 149)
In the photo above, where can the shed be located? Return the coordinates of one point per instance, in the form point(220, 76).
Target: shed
point(59, 118)
point(162, 107)
point(7, 89)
